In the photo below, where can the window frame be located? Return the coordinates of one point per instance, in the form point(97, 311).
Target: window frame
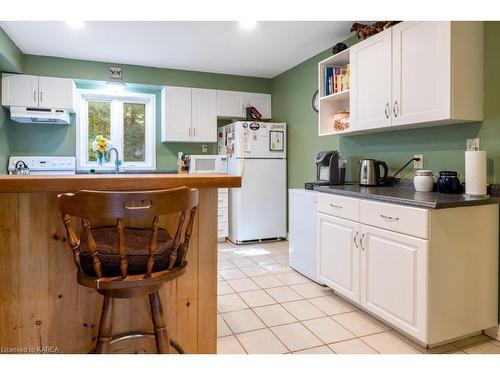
point(117, 101)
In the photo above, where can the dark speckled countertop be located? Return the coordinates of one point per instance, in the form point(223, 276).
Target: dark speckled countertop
point(407, 196)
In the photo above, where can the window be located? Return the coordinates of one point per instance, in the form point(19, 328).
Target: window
point(126, 119)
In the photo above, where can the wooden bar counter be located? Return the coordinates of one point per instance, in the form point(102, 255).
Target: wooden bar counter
point(43, 309)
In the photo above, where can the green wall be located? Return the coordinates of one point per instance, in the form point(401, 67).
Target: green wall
point(443, 147)
point(60, 140)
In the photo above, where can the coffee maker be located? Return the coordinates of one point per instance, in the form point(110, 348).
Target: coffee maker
point(330, 169)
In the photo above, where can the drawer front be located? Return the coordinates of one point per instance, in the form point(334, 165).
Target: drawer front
point(222, 215)
point(222, 200)
point(402, 219)
point(340, 206)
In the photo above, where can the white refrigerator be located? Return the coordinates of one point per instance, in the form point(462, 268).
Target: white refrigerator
point(256, 151)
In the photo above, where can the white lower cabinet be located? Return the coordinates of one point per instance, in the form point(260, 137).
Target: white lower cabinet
point(339, 255)
point(394, 278)
point(435, 280)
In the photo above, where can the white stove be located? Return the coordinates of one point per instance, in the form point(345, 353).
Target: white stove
point(45, 165)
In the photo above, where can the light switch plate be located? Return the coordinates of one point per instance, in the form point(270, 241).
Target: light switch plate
point(418, 164)
point(204, 148)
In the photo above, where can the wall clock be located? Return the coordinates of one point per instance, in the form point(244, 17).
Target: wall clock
point(315, 101)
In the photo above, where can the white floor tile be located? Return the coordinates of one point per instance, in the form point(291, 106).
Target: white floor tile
point(283, 294)
point(388, 343)
point(222, 327)
point(224, 263)
point(223, 288)
point(275, 268)
point(332, 305)
point(254, 271)
point(256, 298)
point(243, 262)
point(274, 315)
point(231, 274)
point(242, 321)
point(267, 281)
point(262, 341)
point(229, 345)
point(355, 346)
point(242, 285)
point(482, 348)
point(230, 302)
point(328, 330)
point(317, 350)
point(262, 259)
point(310, 290)
point(291, 278)
point(303, 310)
point(358, 324)
point(296, 337)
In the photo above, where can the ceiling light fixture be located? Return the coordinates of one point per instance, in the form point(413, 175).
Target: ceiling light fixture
point(75, 24)
point(248, 24)
point(116, 87)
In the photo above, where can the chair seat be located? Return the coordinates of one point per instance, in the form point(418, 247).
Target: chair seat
point(137, 249)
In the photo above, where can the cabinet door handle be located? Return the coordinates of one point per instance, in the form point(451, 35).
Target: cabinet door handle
point(41, 96)
point(34, 96)
point(361, 242)
point(389, 218)
point(395, 108)
point(356, 239)
point(387, 110)
point(335, 206)
point(189, 131)
point(194, 132)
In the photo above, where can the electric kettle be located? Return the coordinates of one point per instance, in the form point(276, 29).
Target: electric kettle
point(369, 172)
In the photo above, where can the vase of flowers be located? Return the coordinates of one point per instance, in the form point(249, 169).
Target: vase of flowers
point(101, 146)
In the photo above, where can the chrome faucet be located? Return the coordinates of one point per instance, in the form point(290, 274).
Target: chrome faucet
point(118, 162)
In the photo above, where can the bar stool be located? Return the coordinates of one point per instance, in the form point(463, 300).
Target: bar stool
point(127, 262)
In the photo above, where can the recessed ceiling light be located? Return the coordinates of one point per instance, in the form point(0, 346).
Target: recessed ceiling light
point(248, 24)
point(75, 24)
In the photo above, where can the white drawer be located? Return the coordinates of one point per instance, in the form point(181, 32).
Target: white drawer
point(403, 219)
point(223, 190)
point(222, 215)
point(338, 205)
point(222, 200)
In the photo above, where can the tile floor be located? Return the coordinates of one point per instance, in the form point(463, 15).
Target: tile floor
point(265, 307)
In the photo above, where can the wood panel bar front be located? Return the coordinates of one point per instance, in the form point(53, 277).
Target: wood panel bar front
point(42, 308)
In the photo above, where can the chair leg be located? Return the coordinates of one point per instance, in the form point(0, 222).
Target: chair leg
point(105, 326)
point(160, 328)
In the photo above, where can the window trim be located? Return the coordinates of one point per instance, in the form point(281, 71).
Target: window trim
point(117, 100)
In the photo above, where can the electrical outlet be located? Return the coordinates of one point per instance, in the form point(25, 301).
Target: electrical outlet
point(418, 164)
point(204, 148)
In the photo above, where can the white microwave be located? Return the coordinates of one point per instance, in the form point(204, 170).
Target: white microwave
point(207, 164)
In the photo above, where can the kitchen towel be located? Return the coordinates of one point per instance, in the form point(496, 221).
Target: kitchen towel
point(475, 172)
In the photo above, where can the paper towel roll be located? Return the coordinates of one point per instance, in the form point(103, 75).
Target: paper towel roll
point(475, 172)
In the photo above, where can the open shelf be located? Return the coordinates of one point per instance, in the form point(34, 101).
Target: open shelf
point(333, 103)
point(338, 96)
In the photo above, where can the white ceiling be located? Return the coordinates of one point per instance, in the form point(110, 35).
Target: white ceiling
point(220, 47)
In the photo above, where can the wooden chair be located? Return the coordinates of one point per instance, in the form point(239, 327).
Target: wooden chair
point(125, 262)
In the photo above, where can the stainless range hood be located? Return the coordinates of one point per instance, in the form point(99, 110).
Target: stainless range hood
point(28, 115)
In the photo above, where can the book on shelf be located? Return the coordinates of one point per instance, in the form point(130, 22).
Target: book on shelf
point(337, 79)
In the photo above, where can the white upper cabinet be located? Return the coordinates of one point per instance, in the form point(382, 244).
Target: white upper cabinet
point(370, 98)
point(414, 74)
point(232, 104)
point(204, 117)
point(176, 110)
point(21, 90)
point(55, 92)
point(189, 115)
point(421, 82)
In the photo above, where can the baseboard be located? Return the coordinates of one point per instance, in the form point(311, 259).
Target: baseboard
point(493, 332)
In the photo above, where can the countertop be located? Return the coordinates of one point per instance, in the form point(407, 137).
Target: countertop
point(407, 196)
point(113, 182)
